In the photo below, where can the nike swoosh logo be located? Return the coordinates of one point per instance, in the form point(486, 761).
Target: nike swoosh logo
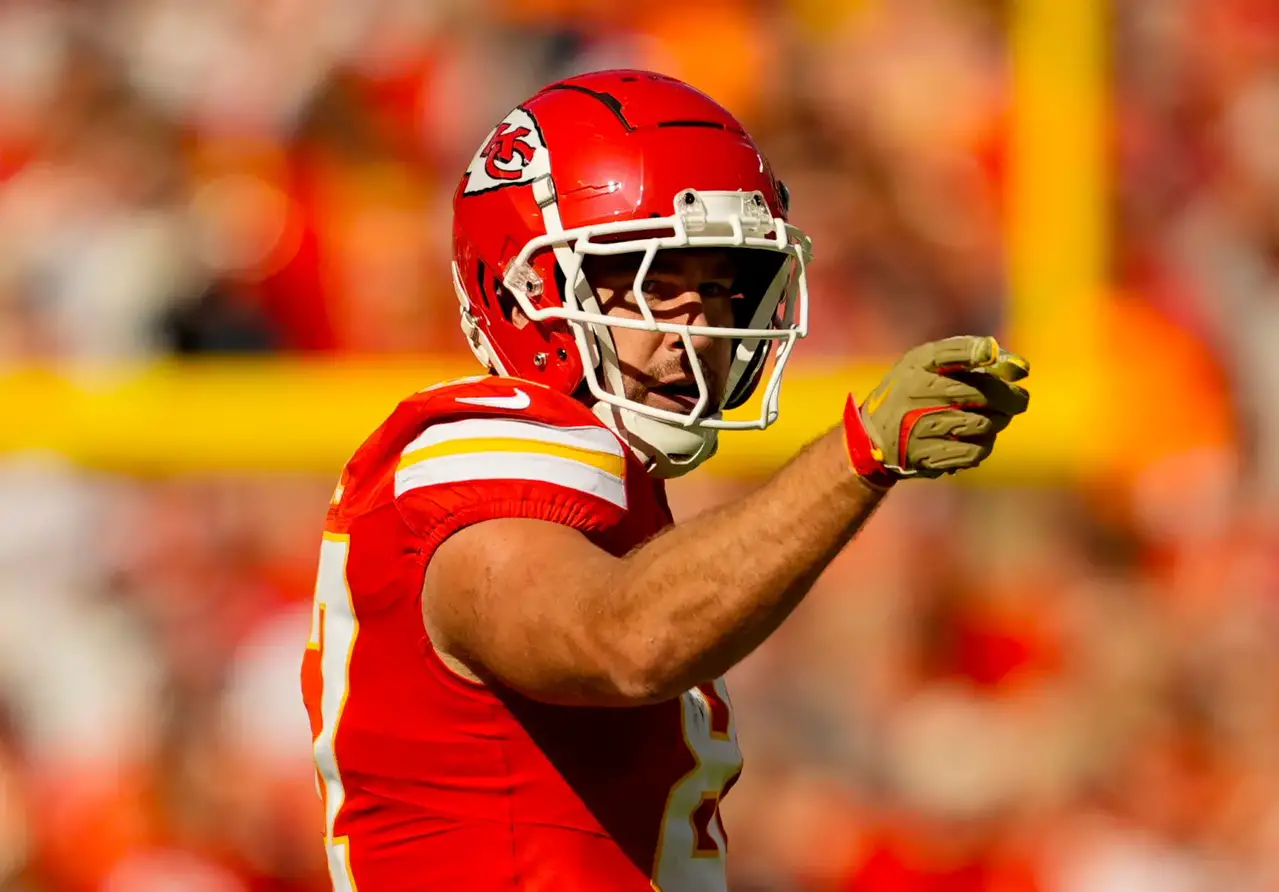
point(518, 400)
point(877, 400)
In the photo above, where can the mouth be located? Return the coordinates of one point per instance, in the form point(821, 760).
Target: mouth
point(678, 396)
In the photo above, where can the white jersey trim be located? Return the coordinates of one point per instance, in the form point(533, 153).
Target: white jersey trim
point(587, 459)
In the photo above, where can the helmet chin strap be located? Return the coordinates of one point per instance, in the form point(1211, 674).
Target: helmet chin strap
point(667, 450)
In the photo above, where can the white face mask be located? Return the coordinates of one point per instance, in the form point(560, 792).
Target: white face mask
point(673, 442)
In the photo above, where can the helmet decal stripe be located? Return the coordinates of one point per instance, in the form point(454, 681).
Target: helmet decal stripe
point(611, 102)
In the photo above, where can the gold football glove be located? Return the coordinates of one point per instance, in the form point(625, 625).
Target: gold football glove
point(937, 411)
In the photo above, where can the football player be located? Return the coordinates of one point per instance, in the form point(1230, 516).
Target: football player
point(515, 672)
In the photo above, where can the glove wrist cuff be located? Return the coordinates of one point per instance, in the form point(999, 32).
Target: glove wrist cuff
point(866, 458)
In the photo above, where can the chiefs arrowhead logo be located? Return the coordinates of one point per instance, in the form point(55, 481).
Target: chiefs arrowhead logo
point(514, 153)
point(503, 148)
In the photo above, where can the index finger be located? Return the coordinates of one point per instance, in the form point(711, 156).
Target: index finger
point(1010, 366)
point(961, 352)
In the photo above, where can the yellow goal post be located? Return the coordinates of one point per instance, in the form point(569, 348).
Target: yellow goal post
point(290, 414)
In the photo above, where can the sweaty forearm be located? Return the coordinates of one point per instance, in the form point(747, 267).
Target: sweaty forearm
point(695, 600)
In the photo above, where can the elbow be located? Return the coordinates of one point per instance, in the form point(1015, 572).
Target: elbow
point(606, 670)
point(639, 689)
point(646, 672)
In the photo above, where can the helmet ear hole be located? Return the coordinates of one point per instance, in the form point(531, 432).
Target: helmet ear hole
point(499, 297)
point(510, 308)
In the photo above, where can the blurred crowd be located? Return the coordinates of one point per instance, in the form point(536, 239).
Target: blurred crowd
point(1076, 691)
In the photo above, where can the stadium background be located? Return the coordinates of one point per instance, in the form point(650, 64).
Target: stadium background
point(224, 234)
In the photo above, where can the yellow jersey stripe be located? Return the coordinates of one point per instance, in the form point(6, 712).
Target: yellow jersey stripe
point(594, 439)
point(604, 461)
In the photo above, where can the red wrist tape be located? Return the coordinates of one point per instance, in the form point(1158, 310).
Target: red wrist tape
point(867, 458)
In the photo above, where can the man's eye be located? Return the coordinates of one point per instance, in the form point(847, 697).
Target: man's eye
point(650, 286)
point(715, 289)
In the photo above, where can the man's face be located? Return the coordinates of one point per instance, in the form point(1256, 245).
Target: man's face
point(685, 287)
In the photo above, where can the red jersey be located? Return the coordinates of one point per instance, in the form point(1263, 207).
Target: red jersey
point(433, 782)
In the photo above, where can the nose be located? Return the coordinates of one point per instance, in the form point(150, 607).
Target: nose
point(692, 309)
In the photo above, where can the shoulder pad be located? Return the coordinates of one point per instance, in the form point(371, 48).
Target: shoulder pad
point(488, 428)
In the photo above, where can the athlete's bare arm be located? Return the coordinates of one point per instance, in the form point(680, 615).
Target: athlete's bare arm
point(548, 613)
point(545, 611)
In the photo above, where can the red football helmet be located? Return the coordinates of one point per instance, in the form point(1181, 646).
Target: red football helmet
point(608, 163)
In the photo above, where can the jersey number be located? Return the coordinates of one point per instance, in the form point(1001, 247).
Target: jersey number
point(334, 629)
point(690, 853)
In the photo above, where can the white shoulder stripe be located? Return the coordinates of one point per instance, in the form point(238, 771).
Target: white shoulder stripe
point(548, 468)
point(594, 439)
